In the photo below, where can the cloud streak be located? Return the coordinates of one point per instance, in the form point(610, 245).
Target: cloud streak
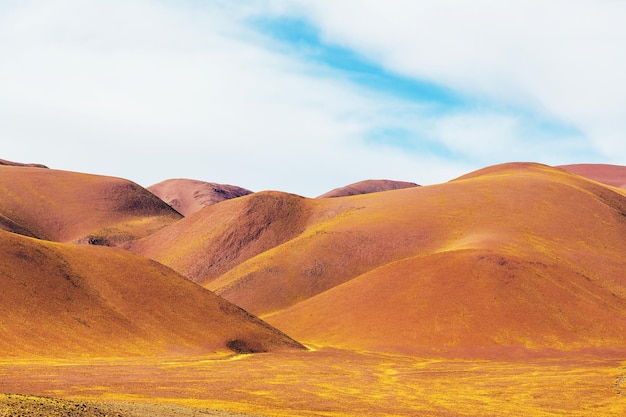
point(300, 96)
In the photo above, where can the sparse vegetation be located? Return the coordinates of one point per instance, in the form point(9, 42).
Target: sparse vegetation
point(14, 405)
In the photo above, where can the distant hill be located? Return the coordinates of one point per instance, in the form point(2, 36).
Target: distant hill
point(614, 175)
point(73, 300)
point(68, 206)
point(367, 187)
point(188, 196)
point(512, 258)
point(19, 164)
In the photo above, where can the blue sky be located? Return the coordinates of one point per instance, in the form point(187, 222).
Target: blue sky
point(301, 39)
point(305, 96)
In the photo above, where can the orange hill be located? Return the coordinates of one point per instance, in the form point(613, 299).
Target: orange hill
point(614, 175)
point(73, 207)
point(66, 300)
point(518, 256)
point(367, 187)
point(188, 196)
point(510, 264)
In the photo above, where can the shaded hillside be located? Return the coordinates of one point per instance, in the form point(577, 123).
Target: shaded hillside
point(188, 196)
point(614, 175)
point(367, 187)
point(214, 240)
point(67, 300)
point(73, 207)
point(517, 256)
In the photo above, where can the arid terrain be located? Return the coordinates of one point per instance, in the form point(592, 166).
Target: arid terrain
point(501, 292)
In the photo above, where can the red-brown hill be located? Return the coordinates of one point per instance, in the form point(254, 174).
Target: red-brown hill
point(518, 256)
point(67, 300)
point(188, 196)
point(74, 207)
point(614, 175)
point(367, 187)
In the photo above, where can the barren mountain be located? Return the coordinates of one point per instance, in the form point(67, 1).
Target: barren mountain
point(367, 187)
point(188, 196)
point(502, 258)
point(67, 300)
point(74, 207)
point(614, 175)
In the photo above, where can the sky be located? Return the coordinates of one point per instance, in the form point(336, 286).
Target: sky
point(304, 96)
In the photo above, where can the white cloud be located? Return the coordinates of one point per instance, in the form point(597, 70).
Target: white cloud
point(562, 58)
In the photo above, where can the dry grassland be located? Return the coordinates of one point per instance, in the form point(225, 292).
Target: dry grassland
point(328, 382)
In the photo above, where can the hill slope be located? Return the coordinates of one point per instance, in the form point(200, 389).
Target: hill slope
point(518, 256)
point(73, 207)
point(188, 196)
point(66, 300)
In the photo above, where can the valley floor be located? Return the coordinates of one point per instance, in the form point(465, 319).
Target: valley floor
point(326, 382)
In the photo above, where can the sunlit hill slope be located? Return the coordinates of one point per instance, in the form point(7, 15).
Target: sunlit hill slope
point(512, 259)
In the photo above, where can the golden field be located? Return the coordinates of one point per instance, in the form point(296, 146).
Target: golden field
point(331, 382)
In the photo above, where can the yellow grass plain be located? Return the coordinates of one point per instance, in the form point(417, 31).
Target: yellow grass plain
point(333, 382)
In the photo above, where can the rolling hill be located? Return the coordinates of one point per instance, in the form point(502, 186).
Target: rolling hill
point(67, 206)
point(188, 196)
point(367, 187)
point(61, 300)
point(511, 258)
